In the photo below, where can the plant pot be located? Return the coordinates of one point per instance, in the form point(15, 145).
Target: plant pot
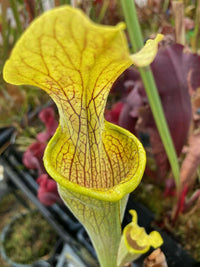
point(27, 240)
point(75, 256)
point(5, 135)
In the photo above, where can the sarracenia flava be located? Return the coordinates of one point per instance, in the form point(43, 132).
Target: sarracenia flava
point(95, 163)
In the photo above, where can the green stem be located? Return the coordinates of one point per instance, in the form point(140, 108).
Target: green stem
point(5, 30)
point(194, 40)
point(150, 88)
point(65, 2)
point(103, 11)
point(13, 5)
point(165, 6)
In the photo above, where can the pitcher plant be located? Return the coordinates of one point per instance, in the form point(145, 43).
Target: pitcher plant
point(96, 164)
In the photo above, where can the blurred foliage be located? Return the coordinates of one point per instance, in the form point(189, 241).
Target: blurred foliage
point(16, 101)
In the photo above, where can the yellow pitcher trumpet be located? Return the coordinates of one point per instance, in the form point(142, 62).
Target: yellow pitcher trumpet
point(96, 164)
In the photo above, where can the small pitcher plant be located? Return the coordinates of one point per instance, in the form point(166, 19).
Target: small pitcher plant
point(96, 164)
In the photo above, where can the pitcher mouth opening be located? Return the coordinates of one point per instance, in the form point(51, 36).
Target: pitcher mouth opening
point(125, 185)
